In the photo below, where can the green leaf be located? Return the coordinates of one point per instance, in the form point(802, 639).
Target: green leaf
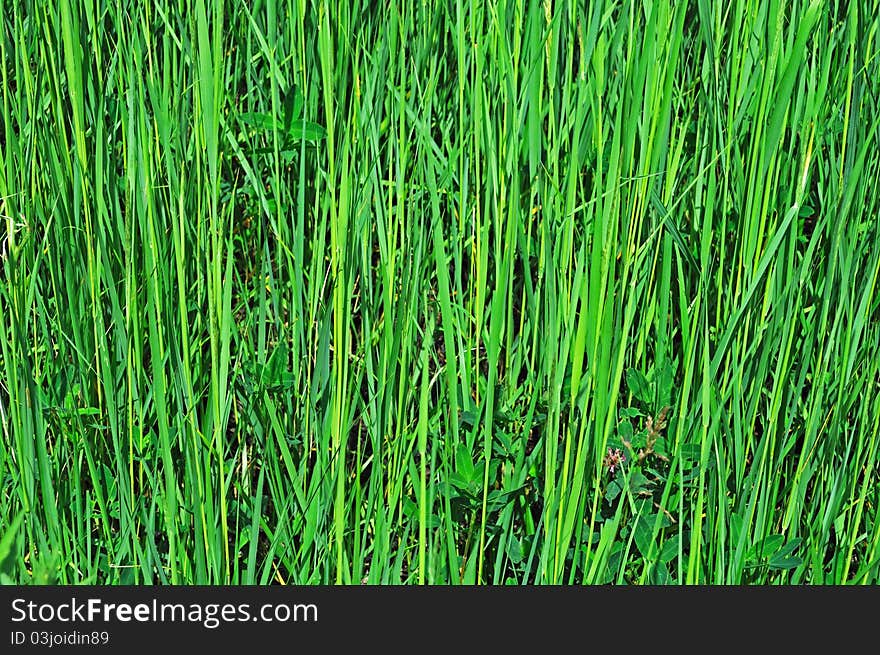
point(613, 491)
point(767, 547)
point(7, 547)
point(665, 378)
point(303, 129)
point(806, 211)
point(840, 523)
point(630, 412)
point(464, 465)
point(689, 452)
point(459, 482)
point(643, 533)
point(669, 550)
point(661, 447)
point(259, 121)
point(514, 549)
point(785, 563)
point(673, 230)
point(736, 527)
point(639, 386)
point(638, 482)
point(784, 559)
point(661, 575)
point(497, 500)
point(45, 570)
point(503, 445)
point(468, 419)
point(293, 106)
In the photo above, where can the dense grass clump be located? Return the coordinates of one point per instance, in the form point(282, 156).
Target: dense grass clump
point(461, 292)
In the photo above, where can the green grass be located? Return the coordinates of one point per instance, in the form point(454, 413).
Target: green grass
point(294, 292)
